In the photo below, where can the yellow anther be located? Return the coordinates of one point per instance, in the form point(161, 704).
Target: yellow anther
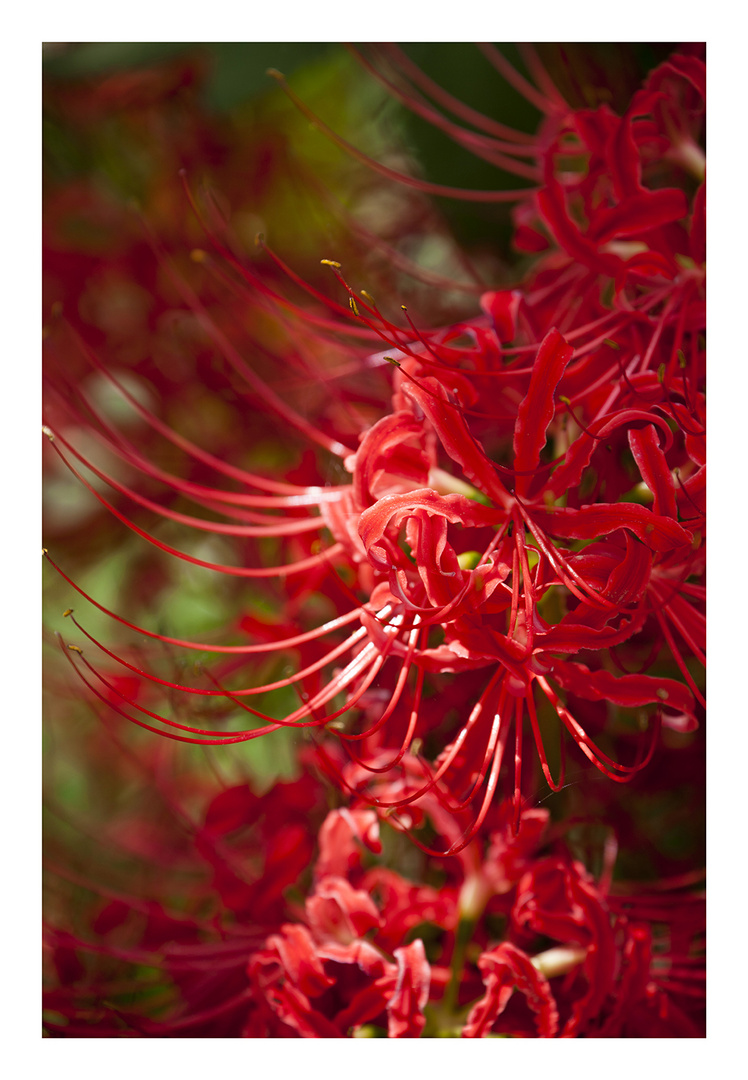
point(329, 262)
point(48, 432)
point(66, 612)
point(76, 648)
point(353, 305)
point(369, 297)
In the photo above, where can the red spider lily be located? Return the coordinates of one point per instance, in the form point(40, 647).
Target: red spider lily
point(602, 982)
point(483, 539)
point(332, 977)
point(232, 924)
point(349, 963)
point(484, 620)
point(297, 975)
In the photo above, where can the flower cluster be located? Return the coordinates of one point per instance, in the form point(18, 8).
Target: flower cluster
point(489, 555)
point(513, 937)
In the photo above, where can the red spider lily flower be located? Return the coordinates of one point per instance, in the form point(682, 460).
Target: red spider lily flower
point(601, 983)
point(321, 983)
point(252, 916)
point(601, 979)
point(514, 504)
point(303, 977)
point(630, 228)
point(426, 584)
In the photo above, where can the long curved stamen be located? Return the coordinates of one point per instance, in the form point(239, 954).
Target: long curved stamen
point(189, 447)
point(402, 62)
point(415, 633)
point(264, 647)
point(540, 74)
point(679, 658)
point(221, 740)
point(235, 571)
point(612, 769)
point(288, 527)
point(450, 755)
point(333, 654)
point(518, 716)
point(554, 785)
point(393, 255)
point(369, 657)
point(226, 503)
point(456, 848)
point(426, 186)
point(481, 146)
point(519, 82)
point(407, 738)
point(268, 396)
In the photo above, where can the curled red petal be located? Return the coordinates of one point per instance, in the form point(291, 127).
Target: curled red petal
point(506, 969)
point(658, 533)
point(559, 899)
point(343, 836)
point(296, 954)
point(650, 459)
point(537, 408)
point(570, 470)
point(501, 308)
point(405, 1007)
point(572, 240)
point(570, 637)
point(392, 510)
point(639, 214)
point(627, 690)
point(338, 911)
point(454, 434)
point(689, 67)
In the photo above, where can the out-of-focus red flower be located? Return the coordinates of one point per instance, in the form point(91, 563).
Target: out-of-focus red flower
point(257, 916)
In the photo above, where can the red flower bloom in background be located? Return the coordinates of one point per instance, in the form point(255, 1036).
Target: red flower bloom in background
point(366, 951)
